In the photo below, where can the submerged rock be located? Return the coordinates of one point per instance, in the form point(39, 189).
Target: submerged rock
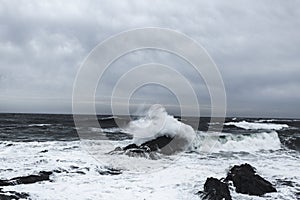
point(214, 189)
point(159, 143)
point(148, 149)
point(133, 150)
point(12, 195)
point(246, 181)
point(130, 146)
point(163, 144)
point(42, 176)
point(109, 171)
point(167, 145)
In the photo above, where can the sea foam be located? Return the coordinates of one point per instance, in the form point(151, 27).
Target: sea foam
point(157, 122)
point(221, 142)
point(257, 126)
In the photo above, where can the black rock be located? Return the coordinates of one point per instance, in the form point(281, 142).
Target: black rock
point(60, 170)
point(246, 181)
point(130, 146)
point(12, 195)
point(80, 172)
point(139, 152)
point(164, 144)
point(42, 176)
point(109, 171)
point(158, 143)
point(214, 189)
point(74, 167)
point(167, 145)
point(146, 150)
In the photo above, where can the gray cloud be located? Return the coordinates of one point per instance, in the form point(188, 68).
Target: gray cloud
point(255, 44)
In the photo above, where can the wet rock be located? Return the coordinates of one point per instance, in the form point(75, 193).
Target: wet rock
point(133, 150)
point(142, 153)
point(167, 145)
point(42, 176)
point(163, 144)
point(146, 150)
point(74, 167)
point(60, 170)
point(12, 195)
point(130, 146)
point(109, 171)
point(286, 182)
point(246, 181)
point(158, 143)
point(80, 172)
point(214, 189)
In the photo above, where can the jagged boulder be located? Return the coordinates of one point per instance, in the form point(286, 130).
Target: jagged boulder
point(109, 171)
point(246, 181)
point(158, 143)
point(133, 150)
point(214, 189)
point(12, 195)
point(42, 176)
point(147, 149)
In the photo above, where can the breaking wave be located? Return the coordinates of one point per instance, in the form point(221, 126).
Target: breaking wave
point(257, 125)
point(157, 122)
point(217, 142)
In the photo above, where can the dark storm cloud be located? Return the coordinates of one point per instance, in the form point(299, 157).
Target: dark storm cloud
point(255, 44)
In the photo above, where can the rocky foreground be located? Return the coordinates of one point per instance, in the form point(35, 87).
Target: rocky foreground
point(244, 179)
point(10, 195)
point(165, 144)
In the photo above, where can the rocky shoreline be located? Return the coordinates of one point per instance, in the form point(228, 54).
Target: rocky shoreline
point(243, 177)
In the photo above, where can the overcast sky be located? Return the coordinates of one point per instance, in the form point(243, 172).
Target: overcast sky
point(255, 44)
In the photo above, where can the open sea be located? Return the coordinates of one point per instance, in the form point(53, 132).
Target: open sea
point(30, 143)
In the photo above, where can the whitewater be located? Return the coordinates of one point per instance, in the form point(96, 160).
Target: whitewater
point(32, 143)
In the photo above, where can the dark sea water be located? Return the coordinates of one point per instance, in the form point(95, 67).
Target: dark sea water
point(33, 142)
point(52, 127)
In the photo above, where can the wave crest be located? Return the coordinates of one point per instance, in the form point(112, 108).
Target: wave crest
point(157, 122)
point(256, 126)
point(218, 142)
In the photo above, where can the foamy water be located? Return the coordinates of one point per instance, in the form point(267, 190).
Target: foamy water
point(158, 122)
point(257, 125)
point(179, 176)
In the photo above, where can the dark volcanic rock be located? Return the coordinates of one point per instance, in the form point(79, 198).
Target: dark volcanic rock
point(147, 149)
point(246, 180)
point(11, 195)
point(42, 176)
point(167, 145)
point(158, 143)
point(214, 189)
point(109, 171)
point(163, 144)
point(130, 146)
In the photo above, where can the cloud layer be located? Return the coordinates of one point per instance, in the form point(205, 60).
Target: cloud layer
point(255, 44)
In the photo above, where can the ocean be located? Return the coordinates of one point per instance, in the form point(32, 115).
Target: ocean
point(30, 143)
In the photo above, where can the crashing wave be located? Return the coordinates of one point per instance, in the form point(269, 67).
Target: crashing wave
point(217, 142)
point(157, 123)
point(256, 126)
